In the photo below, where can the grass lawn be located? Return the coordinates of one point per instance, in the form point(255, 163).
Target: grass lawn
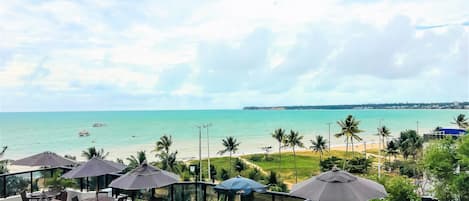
point(219, 163)
point(307, 163)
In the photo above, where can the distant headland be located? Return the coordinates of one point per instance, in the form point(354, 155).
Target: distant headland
point(446, 105)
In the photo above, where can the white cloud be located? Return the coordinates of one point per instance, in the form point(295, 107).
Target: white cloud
point(230, 53)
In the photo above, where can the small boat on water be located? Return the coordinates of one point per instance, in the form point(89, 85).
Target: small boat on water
point(83, 133)
point(98, 125)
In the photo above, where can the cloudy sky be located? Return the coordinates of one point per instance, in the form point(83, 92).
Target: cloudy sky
point(122, 55)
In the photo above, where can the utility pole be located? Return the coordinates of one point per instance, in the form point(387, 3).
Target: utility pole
point(208, 151)
point(200, 152)
point(329, 124)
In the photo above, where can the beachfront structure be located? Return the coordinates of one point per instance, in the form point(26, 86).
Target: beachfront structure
point(444, 132)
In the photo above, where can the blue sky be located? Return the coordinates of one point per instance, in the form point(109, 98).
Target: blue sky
point(124, 55)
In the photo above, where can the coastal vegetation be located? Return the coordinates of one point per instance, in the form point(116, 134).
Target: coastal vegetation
point(94, 152)
point(279, 135)
point(231, 146)
point(349, 130)
point(318, 145)
point(135, 161)
point(461, 121)
point(410, 168)
point(293, 140)
point(443, 105)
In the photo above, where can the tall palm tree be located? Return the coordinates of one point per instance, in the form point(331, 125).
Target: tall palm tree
point(231, 145)
point(410, 143)
point(279, 135)
point(384, 133)
point(461, 121)
point(349, 130)
point(319, 145)
point(164, 143)
point(93, 152)
point(135, 161)
point(392, 149)
point(294, 140)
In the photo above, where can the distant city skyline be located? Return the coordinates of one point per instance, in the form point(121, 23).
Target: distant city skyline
point(159, 55)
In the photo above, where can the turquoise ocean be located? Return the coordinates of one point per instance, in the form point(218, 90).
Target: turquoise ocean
point(129, 131)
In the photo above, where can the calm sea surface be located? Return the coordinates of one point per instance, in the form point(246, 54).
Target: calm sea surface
point(29, 133)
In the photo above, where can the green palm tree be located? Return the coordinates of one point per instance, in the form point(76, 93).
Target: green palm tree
point(279, 135)
point(231, 145)
point(410, 143)
point(461, 121)
point(135, 161)
point(93, 152)
point(392, 149)
point(384, 133)
point(164, 143)
point(169, 162)
point(319, 145)
point(349, 130)
point(294, 140)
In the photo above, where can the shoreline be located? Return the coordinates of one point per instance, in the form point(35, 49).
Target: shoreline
point(113, 155)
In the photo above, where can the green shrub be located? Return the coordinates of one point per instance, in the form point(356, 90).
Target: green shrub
point(239, 166)
point(328, 163)
point(255, 175)
point(401, 189)
point(409, 169)
point(256, 157)
point(358, 165)
point(224, 175)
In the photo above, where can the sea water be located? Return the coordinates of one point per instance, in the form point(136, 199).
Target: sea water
point(126, 132)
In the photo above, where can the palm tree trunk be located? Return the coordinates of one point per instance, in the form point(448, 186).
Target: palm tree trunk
point(230, 164)
point(353, 150)
point(346, 154)
point(296, 169)
point(346, 148)
point(280, 155)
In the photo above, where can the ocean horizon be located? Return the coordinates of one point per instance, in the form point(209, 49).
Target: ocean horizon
point(126, 132)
